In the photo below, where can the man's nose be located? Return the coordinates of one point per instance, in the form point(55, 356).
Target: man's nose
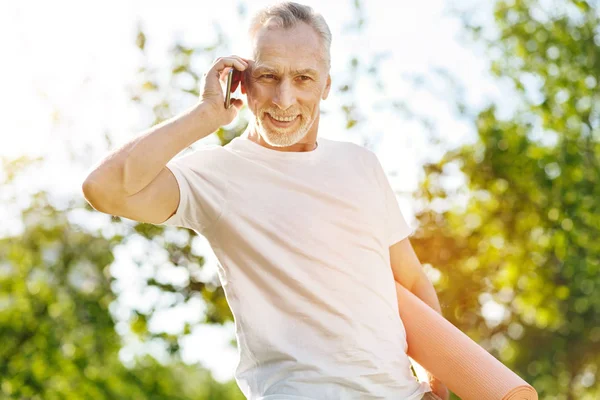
point(284, 95)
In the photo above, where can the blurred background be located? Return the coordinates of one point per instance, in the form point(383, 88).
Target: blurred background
point(484, 113)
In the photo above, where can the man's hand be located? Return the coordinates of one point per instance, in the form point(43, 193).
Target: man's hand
point(438, 388)
point(212, 92)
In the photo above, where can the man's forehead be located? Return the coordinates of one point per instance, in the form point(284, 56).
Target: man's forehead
point(271, 59)
point(281, 68)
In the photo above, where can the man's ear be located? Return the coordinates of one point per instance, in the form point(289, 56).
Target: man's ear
point(327, 87)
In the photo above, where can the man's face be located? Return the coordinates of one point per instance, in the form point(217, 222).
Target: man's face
point(286, 83)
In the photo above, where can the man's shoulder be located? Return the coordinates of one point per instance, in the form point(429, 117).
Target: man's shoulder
point(200, 148)
point(199, 155)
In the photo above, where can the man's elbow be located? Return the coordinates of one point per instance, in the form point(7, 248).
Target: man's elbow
point(91, 195)
point(420, 280)
point(415, 281)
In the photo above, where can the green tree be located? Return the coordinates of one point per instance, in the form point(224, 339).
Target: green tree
point(521, 233)
point(58, 335)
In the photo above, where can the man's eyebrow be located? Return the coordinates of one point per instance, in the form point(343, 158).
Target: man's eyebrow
point(265, 69)
point(308, 71)
point(303, 71)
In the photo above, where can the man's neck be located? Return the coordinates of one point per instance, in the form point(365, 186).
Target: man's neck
point(252, 134)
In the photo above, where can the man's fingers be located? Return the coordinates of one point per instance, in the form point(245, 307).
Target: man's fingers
point(232, 62)
point(223, 74)
point(237, 103)
point(223, 65)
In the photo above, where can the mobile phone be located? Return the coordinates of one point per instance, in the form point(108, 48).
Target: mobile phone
point(228, 90)
point(234, 78)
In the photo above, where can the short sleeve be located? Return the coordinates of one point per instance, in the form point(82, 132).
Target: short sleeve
point(203, 187)
point(396, 226)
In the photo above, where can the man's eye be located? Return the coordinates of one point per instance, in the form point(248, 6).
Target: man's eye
point(268, 76)
point(305, 78)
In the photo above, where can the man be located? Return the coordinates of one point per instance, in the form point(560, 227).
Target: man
point(305, 228)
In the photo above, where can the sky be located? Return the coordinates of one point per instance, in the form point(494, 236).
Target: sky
point(67, 66)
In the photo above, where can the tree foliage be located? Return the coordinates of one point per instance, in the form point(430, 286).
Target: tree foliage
point(521, 234)
point(58, 334)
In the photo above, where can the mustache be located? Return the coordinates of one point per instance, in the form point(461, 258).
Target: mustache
point(277, 114)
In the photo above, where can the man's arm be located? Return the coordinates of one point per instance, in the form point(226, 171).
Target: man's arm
point(409, 273)
point(130, 169)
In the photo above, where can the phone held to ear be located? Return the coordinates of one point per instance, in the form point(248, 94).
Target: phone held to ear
point(234, 77)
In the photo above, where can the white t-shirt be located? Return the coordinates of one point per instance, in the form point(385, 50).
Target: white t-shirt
point(302, 240)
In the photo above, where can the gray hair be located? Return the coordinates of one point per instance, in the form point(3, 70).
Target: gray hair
point(287, 15)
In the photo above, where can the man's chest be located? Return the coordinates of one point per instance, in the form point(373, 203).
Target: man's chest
point(335, 202)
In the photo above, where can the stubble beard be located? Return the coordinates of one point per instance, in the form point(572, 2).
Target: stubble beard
point(282, 137)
